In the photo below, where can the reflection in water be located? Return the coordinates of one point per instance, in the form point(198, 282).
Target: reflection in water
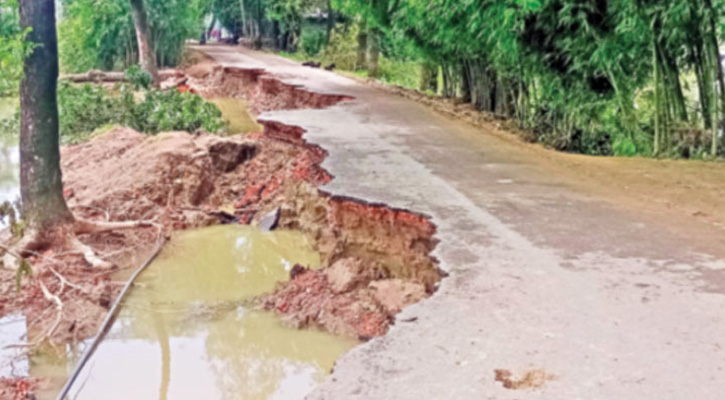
point(9, 157)
point(236, 113)
point(186, 331)
point(13, 362)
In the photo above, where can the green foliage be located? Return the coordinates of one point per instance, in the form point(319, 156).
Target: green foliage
point(312, 41)
point(23, 270)
point(86, 108)
point(401, 73)
point(172, 111)
point(13, 48)
point(138, 78)
point(100, 33)
point(342, 48)
point(571, 71)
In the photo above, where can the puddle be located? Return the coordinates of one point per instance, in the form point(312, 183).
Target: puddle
point(13, 363)
point(186, 332)
point(9, 157)
point(236, 112)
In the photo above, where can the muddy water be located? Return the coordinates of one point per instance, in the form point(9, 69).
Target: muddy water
point(235, 111)
point(187, 331)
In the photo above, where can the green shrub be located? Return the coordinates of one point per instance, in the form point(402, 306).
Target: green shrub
point(171, 111)
point(85, 108)
point(139, 78)
point(342, 49)
point(313, 41)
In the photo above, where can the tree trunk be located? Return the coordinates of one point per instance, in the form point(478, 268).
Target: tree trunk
point(330, 20)
point(362, 46)
point(41, 183)
point(258, 36)
point(429, 77)
point(465, 83)
point(211, 27)
point(656, 71)
point(243, 11)
point(146, 54)
point(374, 54)
point(720, 73)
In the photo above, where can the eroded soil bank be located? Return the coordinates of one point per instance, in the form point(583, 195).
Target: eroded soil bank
point(375, 259)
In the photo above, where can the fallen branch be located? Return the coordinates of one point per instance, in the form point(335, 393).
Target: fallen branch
point(97, 76)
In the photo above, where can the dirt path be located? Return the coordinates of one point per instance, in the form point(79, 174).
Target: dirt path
point(570, 277)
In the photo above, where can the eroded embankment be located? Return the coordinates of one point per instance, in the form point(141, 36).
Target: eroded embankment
point(376, 259)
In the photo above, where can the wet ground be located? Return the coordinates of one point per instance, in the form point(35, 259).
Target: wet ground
point(236, 112)
point(188, 330)
point(583, 278)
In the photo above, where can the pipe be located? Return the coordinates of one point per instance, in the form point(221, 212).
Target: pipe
point(107, 323)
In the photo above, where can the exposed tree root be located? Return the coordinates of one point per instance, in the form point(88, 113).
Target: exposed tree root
point(66, 236)
point(55, 298)
point(89, 227)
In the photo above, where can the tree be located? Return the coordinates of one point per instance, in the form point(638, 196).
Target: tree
point(147, 54)
point(48, 219)
point(40, 177)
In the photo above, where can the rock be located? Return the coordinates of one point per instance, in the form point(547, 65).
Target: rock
point(395, 294)
point(348, 273)
point(297, 270)
point(270, 221)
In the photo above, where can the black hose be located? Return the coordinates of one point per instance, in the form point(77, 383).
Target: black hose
point(107, 323)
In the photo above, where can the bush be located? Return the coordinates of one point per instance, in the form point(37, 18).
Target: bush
point(313, 41)
point(82, 109)
point(171, 111)
point(139, 78)
point(85, 108)
point(342, 49)
point(13, 48)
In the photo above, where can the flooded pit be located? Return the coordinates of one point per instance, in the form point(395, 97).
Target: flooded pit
point(236, 112)
point(187, 330)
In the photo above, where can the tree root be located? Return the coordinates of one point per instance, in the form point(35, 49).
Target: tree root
point(87, 227)
point(58, 318)
point(67, 236)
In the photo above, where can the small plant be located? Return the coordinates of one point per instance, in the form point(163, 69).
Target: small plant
point(85, 108)
point(172, 111)
point(138, 78)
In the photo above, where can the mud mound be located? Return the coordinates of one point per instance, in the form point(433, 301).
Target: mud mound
point(349, 298)
point(167, 177)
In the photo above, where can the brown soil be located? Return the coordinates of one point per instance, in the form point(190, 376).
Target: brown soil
point(530, 380)
point(375, 259)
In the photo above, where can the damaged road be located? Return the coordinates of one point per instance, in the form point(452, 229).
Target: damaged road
point(555, 290)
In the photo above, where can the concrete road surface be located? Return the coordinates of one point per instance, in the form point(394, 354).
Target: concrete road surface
point(592, 300)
